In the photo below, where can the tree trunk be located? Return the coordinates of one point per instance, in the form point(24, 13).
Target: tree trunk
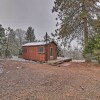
point(85, 32)
point(85, 29)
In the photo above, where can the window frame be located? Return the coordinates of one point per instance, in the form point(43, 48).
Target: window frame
point(39, 51)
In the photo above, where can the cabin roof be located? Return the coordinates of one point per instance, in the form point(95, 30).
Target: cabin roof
point(36, 44)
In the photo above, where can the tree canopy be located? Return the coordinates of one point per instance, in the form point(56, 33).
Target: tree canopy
point(77, 18)
point(2, 31)
point(47, 38)
point(30, 36)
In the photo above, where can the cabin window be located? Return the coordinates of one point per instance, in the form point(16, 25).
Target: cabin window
point(40, 49)
point(24, 50)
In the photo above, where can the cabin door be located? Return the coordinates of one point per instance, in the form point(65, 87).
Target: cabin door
point(51, 53)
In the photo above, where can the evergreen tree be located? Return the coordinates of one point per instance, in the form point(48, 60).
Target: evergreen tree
point(12, 45)
point(20, 35)
point(10, 42)
point(77, 18)
point(60, 52)
point(97, 40)
point(2, 40)
point(47, 38)
point(92, 51)
point(2, 31)
point(30, 36)
point(97, 48)
point(89, 50)
point(11, 35)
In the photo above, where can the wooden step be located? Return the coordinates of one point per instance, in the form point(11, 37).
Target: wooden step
point(59, 61)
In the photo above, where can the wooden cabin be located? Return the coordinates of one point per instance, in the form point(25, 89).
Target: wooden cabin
point(39, 51)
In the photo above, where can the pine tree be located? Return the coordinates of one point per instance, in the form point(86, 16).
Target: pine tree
point(97, 47)
point(92, 51)
point(2, 39)
point(47, 38)
point(89, 50)
point(2, 31)
point(20, 35)
point(30, 36)
point(11, 35)
point(10, 42)
point(77, 18)
point(97, 39)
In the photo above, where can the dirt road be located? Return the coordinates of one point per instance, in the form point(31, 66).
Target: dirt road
point(33, 81)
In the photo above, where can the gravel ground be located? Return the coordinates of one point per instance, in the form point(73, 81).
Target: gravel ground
point(32, 81)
